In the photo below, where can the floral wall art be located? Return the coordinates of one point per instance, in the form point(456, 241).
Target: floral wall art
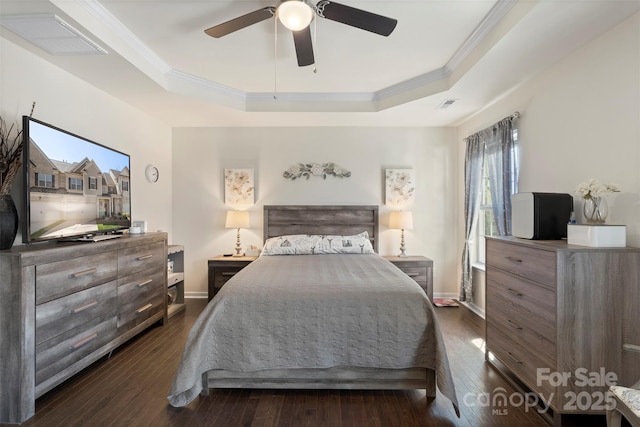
point(238, 187)
point(308, 170)
point(399, 187)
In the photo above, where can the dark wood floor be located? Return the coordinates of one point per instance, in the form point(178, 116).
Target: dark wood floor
point(130, 389)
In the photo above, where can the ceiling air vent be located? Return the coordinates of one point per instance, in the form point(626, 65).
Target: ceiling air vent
point(49, 32)
point(446, 104)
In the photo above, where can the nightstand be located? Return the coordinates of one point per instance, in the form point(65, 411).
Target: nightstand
point(223, 268)
point(419, 268)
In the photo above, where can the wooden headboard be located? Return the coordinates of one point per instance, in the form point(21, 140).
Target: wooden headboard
point(280, 220)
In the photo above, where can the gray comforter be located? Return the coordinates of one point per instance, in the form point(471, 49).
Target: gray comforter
point(314, 311)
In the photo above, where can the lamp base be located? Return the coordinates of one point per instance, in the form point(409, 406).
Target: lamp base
point(402, 248)
point(238, 245)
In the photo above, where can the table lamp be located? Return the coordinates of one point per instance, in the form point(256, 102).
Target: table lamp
point(401, 220)
point(237, 220)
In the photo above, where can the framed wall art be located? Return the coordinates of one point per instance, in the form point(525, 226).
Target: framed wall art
point(399, 187)
point(239, 188)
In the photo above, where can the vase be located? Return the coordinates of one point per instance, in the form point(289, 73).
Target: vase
point(8, 222)
point(595, 210)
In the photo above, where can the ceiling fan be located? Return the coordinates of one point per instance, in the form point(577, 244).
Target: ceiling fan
point(297, 15)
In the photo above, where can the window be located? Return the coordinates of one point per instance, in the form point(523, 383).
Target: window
point(125, 185)
point(486, 223)
point(44, 180)
point(75, 184)
point(93, 183)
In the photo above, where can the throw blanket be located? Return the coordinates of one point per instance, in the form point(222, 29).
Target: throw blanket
point(314, 311)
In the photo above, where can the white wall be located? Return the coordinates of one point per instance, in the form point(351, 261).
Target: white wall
point(580, 120)
point(72, 104)
point(200, 156)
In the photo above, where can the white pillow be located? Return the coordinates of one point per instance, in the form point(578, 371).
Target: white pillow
point(293, 244)
point(356, 244)
point(306, 244)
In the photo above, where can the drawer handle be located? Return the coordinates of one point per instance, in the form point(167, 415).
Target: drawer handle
point(143, 257)
point(84, 272)
point(144, 308)
point(513, 259)
point(513, 325)
point(84, 307)
point(146, 282)
point(413, 274)
point(84, 341)
point(515, 359)
point(631, 347)
point(516, 293)
point(230, 273)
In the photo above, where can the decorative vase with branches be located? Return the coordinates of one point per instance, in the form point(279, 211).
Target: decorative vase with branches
point(10, 154)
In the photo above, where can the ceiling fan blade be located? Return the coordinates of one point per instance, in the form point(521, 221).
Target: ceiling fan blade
point(304, 47)
point(356, 17)
point(241, 22)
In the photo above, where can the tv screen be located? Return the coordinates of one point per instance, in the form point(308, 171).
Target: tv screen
point(73, 186)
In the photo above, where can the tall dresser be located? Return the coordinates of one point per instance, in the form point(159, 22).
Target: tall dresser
point(65, 305)
point(563, 319)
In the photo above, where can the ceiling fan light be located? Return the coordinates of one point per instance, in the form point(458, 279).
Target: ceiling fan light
point(295, 15)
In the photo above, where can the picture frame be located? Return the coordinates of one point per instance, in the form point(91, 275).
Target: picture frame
point(400, 186)
point(239, 187)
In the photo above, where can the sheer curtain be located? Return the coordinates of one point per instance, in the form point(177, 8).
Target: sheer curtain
point(473, 164)
point(497, 144)
point(502, 153)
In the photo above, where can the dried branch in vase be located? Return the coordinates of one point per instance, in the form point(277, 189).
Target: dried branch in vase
point(10, 153)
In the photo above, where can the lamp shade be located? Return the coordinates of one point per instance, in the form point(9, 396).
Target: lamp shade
point(295, 14)
point(237, 219)
point(401, 220)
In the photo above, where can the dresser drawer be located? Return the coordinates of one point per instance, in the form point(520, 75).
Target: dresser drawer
point(140, 296)
point(526, 332)
point(520, 361)
point(57, 279)
point(63, 314)
point(531, 263)
point(61, 352)
point(522, 300)
point(141, 257)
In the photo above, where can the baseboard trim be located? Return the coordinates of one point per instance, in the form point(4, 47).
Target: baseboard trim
point(474, 308)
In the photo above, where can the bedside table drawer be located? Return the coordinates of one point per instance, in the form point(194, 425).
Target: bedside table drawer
point(221, 269)
point(419, 268)
point(419, 274)
point(222, 274)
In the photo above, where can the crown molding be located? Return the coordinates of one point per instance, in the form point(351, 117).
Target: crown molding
point(97, 19)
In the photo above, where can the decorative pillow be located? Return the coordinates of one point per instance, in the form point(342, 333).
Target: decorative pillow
point(356, 244)
point(294, 244)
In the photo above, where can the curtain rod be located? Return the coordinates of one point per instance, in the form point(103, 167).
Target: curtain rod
point(515, 115)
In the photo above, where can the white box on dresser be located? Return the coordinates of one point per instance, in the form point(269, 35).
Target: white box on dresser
point(612, 236)
point(65, 305)
point(559, 309)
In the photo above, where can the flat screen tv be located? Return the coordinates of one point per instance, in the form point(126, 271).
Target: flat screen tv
point(73, 186)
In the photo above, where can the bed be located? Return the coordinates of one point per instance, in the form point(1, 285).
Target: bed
point(316, 310)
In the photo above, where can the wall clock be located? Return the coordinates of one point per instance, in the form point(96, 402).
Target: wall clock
point(152, 174)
